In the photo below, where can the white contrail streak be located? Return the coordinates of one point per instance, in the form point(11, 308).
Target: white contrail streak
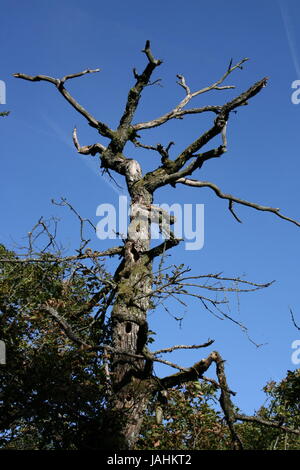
point(286, 18)
point(66, 139)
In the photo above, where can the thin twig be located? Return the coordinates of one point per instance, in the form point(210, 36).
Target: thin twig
point(204, 345)
point(89, 254)
point(293, 320)
point(264, 422)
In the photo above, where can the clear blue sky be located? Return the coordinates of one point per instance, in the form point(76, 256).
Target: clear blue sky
point(196, 39)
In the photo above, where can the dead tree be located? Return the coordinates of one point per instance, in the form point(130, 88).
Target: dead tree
point(131, 363)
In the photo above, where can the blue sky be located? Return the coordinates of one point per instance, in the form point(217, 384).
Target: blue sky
point(196, 39)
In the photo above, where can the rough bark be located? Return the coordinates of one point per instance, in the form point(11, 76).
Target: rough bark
point(131, 377)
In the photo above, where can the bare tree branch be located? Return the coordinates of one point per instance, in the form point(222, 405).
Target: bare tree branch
point(80, 342)
point(188, 374)
point(195, 372)
point(33, 235)
point(218, 277)
point(226, 403)
point(89, 254)
point(64, 326)
point(82, 221)
point(79, 74)
point(265, 422)
point(196, 164)
point(224, 289)
point(163, 151)
point(219, 124)
point(293, 320)
point(59, 83)
point(231, 199)
point(166, 245)
point(87, 149)
point(173, 348)
point(168, 363)
point(135, 92)
point(216, 384)
point(178, 111)
point(175, 115)
point(169, 172)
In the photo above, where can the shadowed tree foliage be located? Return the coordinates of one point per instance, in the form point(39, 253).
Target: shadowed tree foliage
point(54, 393)
point(193, 421)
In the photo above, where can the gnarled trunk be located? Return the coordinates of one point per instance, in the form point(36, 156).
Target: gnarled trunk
point(132, 382)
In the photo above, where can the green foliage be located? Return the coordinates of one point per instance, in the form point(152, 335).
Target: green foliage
point(284, 408)
point(190, 421)
point(51, 391)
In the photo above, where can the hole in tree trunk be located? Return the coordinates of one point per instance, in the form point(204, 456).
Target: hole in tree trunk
point(128, 327)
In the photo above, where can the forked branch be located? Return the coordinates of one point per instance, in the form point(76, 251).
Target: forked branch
point(87, 149)
point(194, 373)
point(233, 199)
point(89, 254)
point(135, 92)
point(219, 124)
point(172, 170)
point(59, 83)
point(179, 112)
point(77, 340)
